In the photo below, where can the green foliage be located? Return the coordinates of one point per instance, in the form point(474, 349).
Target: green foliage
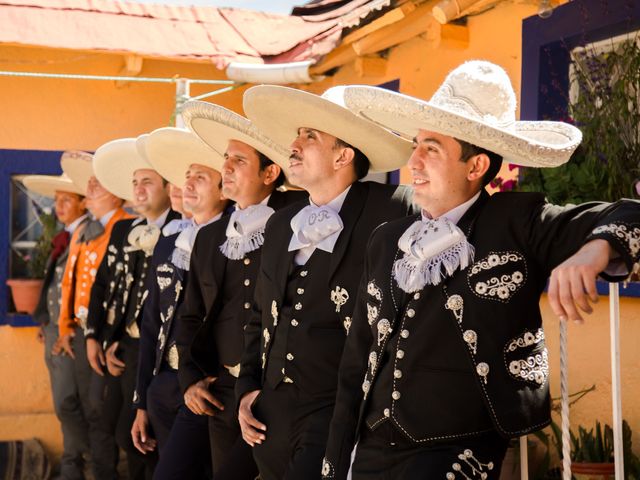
point(606, 165)
point(37, 261)
point(592, 446)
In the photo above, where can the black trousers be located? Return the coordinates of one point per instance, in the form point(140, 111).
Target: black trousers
point(232, 457)
point(297, 430)
point(185, 454)
point(387, 454)
point(163, 402)
point(119, 413)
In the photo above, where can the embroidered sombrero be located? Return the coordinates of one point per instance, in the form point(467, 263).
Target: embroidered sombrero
point(78, 166)
point(171, 151)
point(114, 164)
point(280, 111)
point(48, 185)
point(476, 104)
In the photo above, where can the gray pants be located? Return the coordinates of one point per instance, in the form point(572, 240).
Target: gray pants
point(78, 394)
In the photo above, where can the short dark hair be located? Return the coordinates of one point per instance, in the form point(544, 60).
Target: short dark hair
point(265, 162)
point(360, 161)
point(495, 161)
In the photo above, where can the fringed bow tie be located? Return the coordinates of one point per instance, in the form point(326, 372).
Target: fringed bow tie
point(176, 226)
point(315, 226)
point(143, 237)
point(430, 246)
point(245, 231)
point(181, 255)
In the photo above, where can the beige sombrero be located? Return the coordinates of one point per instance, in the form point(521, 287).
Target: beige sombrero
point(172, 150)
point(48, 185)
point(280, 111)
point(78, 166)
point(476, 104)
point(216, 125)
point(114, 164)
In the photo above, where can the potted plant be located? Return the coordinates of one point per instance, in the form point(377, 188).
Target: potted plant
point(26, 291)
point(592, 453)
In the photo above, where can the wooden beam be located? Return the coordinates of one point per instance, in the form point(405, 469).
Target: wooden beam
point(388, 18)
point(371, 66)
point(340, 56)
point(132, 68)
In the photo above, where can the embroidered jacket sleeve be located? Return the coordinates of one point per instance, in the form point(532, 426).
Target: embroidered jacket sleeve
point(66, 321)
point(353, 366)
point(554, 233)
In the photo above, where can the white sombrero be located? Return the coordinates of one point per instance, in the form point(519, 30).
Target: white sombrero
point(114, 164)
point(280, 111)
point(476, 104)
point(48, 185)
point(78, 166)
point(172, 150)
point(216, 125)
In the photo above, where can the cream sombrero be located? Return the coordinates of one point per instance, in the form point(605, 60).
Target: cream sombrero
point(48, 185)
point(114, 164)
point(476, 104)
point(216, 125)
point(172, 150)
point(280, 111)
point(78, 166)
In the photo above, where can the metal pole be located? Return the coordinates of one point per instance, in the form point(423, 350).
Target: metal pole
point(524, 458)
point(182, 95)
point(614, 321)
point(564, 394)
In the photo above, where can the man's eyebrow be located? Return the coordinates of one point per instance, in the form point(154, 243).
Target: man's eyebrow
point(428, 140)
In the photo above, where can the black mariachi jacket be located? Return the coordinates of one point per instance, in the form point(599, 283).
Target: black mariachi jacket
point(206, 342)
point(320, 333)
point(469, 354)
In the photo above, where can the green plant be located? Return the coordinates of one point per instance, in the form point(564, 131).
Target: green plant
point(36, 260)
point(607, 110)
point(592, 446)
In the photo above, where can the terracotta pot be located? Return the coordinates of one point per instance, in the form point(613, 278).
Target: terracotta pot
point(25, 293)
point(593, 471)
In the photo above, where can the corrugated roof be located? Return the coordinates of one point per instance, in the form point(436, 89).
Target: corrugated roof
point(222, 35)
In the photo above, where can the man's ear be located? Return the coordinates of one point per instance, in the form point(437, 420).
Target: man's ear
point(271, 173)
point(346, 158)
point(478, 166)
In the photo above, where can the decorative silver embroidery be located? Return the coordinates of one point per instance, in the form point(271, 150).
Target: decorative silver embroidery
point(163, 283)
point(534, 368)
point(503, 287)
point(274, 312)
point(372, 313)
point(494, 260)
point(178, 289)
point(469, 461)
point(347, 324)
point(166, 317)
point(373, 360)
point(483, 370)
point(455, 303)
point(110, 260)
point(264, 359)
point(374, 291)
point(165, 268)
point(366, 385)
point(172, 357)
point(384, 328)
point(327, 469)
point(339, 297)
point(471, 337)
point(625, 233)
point(161, 339)
point(267, 337)
point(526, 339)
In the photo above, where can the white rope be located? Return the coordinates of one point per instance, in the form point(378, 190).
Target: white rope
point(564, 394)
point(614, 320)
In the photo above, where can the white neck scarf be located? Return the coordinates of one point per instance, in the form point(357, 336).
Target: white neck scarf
point(176, 226)
point(245, 231)
point(428, 246)
point(315, 226)
point(188, 228)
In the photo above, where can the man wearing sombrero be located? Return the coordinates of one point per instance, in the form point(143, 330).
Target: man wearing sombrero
point(70, 210)
point(118, 297)
point(311, 266)
point(446, 359)
point(224, 266)
point(87, 247)
point(183, 160)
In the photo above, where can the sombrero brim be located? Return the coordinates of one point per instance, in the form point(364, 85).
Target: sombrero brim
point(171, 151)
point(48, 185)
point(526, 143)
point(78, 166)
point(114, 164)
point(281, 111)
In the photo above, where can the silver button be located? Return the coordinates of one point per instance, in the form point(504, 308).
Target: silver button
point(84, 284)
point(397, 374)
point(247, 261)
point(416, 296)
point(395, 395)
point(386, 412)
point(303, 273)
point(247, 305)
point(126, 256)
point(141, 283)
point(289, 356)
point(400, 354)
point(294, 322)
point(404, 333)
point(411, 313)
point(300, 291)
point(298, 306)
point(247, 282)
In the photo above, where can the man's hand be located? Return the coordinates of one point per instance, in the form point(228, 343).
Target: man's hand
point(63, 345)
point(199, 399)
point(573, 282)
point(140, 433)
point(95, 355)
point(249, 425)
point(114, 364)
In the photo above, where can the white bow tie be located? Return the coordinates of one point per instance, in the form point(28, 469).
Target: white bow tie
point(143, 237)
point(315, 226)
point(428, 246)
point(175, 226)
point(245, 231)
